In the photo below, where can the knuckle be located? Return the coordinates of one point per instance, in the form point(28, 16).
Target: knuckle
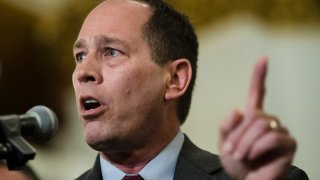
point(262, 124)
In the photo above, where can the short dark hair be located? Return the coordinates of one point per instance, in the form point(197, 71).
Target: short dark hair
point(171, 36)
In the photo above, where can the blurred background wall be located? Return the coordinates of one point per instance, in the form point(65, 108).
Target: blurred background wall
point(36, 38)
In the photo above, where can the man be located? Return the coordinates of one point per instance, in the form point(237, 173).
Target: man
point(135, 70)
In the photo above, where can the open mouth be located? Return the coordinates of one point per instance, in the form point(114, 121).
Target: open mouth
point(90, 103)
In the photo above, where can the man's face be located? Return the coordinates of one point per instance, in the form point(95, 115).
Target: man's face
point(119, 89)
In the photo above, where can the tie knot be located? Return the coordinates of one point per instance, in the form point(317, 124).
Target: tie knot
point(132, 177)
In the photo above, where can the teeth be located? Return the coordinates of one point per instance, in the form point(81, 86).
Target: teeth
point(90, 101)
point(91, 104)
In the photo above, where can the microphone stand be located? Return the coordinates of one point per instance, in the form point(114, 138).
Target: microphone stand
point(13, 147)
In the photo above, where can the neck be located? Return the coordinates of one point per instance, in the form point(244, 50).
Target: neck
point(132, 159)
point(132, 162)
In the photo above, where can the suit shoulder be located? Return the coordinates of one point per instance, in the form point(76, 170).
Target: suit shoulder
point(199, 157)
point(296, 173)
point(195, 163)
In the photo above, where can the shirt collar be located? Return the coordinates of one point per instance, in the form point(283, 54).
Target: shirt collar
point(162, 167)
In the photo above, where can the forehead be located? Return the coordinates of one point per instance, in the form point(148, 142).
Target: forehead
point(116, 17)
point(129, 6)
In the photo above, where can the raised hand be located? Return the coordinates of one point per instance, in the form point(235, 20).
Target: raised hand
point(252, 143)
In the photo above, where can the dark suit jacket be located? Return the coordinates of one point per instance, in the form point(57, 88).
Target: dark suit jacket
point(194, 164)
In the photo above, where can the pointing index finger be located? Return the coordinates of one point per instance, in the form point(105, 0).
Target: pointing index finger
point(257, 86)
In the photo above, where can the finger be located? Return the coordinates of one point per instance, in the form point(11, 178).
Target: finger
point(255, 131)
point(230, 123)
point(273, 143)
point(277, 169)
point(226, 127)
point(260, 124)
point(257, 86)
point(232, 139)
point(274, 152)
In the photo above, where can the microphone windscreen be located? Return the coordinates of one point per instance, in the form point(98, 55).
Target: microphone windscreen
point(47, 122)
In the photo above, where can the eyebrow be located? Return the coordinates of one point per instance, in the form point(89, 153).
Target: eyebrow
point(79, 44)
point(101, 41)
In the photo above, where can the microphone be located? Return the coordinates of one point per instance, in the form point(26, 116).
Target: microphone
point(39, 123)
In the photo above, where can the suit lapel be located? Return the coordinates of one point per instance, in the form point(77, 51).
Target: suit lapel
point(94, 173)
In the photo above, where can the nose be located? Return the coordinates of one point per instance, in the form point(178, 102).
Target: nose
point(88, 72)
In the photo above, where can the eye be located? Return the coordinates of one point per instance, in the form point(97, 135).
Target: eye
point(79, 57)
point(112, 52)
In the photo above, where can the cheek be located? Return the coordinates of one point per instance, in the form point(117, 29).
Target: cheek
point(127, 93)
point(126, 83)
point(136, 84)
point(143, 89)
point(135, 87)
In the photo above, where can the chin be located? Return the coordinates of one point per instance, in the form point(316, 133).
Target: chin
point(99, 141)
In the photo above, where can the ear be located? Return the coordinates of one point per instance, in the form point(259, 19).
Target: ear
point(180, 74)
